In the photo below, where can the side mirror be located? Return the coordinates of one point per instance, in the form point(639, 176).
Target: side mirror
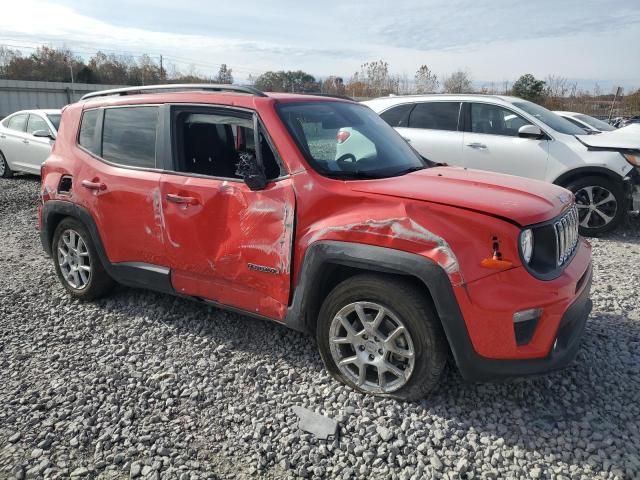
point(530, 131)
point(252, 173)
point(43, 134)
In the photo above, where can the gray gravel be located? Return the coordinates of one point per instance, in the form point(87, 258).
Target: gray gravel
point(151, 386)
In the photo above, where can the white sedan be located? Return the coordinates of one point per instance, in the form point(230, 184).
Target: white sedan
point(26, 138)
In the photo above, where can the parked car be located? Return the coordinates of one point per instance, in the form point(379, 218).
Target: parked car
point(630, 121)
point(25, 140)
point(235, 198)
point(588, 123)
point(510, 135)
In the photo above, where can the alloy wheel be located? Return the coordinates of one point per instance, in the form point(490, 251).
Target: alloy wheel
point(3, 164)
point(597, 206)
point(371, 347)
point(74, 259)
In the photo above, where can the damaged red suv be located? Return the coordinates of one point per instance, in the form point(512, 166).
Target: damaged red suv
point(313, 212)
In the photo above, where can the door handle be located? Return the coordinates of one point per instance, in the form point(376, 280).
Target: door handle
point(180, 200)
point(476, 145)
point(407, 139)
point(25, 141)
point(3, 136)
point(98, 186)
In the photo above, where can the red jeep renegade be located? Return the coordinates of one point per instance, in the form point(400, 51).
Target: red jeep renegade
point(313, 212)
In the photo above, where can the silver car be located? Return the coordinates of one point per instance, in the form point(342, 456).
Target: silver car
point(26, 138)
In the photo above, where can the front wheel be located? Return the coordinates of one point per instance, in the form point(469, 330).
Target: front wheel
point(380, 335)
point(600, 202)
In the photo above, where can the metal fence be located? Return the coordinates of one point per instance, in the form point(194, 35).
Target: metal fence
point(21, 94)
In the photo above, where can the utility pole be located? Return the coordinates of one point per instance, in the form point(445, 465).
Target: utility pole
point(161, 76)
point(618, 92)
point(66, 59)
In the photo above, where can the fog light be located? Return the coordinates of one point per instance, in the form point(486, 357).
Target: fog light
point(524, 325)
point(526, 315)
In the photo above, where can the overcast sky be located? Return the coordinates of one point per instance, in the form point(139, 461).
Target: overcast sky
point(585, 40)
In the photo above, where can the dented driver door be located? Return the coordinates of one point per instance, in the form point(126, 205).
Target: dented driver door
point(225, 242)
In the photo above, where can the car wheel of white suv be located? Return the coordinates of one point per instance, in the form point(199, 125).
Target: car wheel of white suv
point(600, 202)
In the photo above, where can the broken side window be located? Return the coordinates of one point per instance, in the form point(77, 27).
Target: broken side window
point(217, 144)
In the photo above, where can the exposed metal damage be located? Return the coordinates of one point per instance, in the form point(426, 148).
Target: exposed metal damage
point(401, 229)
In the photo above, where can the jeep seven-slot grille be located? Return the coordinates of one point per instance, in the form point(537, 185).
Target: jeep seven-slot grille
point(566, 231)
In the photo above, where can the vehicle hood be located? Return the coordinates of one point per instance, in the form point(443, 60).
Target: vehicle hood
point(516, 199)
point(623, 139)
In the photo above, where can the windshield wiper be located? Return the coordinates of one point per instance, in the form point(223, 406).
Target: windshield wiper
point(351, 175)
point(415, 168)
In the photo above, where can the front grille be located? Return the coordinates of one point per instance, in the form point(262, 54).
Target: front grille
point(566, 232)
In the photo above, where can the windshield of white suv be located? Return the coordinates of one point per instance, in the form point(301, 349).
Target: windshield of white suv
point(348, 141)
point(559, 124)
point(595, 123)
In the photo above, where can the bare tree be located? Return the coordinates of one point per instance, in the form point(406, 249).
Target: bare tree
point(224, 75)
point(7, 55)
point(458, 82)
point(333, 85)
point(426, 80)
point(557, 86)
point(373, 80)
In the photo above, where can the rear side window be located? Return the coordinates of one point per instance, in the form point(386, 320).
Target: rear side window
point(129, 136)
point(435, 116)
point(18, 122)
point(87, 136)
point(397, 116)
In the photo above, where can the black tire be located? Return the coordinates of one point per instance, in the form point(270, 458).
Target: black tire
point(5, 170)
point(600, 188)
point(99, 282)
point(407, 303)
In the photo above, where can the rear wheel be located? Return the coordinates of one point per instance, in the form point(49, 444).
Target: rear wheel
point(380, 335)
point(77, 263)
point(600, 202)
point(5, 170)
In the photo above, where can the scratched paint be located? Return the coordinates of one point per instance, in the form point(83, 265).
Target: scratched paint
point(404, 229)
point(158, 216)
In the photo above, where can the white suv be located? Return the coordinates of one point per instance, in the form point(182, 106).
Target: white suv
point(514, 136)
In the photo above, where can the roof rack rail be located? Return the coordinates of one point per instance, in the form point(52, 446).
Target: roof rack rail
point(178, 87)
point(329, 95)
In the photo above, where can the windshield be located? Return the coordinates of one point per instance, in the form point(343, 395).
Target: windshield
point(595, 123)
point(54, 118)
point(347, 140)
point(559, 124)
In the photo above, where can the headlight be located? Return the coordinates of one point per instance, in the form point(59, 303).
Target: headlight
point(526, 244)
point(633, 159)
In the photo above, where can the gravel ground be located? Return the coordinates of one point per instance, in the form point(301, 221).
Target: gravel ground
point(150, 386)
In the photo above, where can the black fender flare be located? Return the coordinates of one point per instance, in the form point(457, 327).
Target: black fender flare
point(587, 170)
point(132, 274)
point(384, 260)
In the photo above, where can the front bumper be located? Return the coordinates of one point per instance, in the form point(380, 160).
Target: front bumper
point(484, 340)
point(632, 190)
point(565, 347)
